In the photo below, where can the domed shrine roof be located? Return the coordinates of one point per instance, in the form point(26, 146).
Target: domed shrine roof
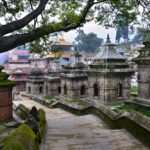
point(36, 71)
point(75, 61)
point(109, 60)
point(109, 52)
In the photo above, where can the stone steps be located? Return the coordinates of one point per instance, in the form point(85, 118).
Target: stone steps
point(66, 131)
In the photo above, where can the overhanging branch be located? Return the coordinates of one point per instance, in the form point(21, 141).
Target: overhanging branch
point(16, 25)
point(12, 41)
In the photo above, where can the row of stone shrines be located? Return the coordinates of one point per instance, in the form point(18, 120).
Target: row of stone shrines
point(107, 78)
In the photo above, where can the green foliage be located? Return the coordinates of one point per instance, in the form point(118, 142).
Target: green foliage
point(57, 51)
point(23, 138)
point(88, 42)
point(142, 34)
point(134, 89)
point(49, 99)
point(43, 45)
point(62, 15)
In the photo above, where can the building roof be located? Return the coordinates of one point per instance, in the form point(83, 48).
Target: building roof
point(65, 54)
point(18, 70)
point(75, 61)
point(63, 61)
point(109, 51)
point(63, 42)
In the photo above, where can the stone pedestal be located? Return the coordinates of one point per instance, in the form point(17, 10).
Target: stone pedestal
point(6, 87)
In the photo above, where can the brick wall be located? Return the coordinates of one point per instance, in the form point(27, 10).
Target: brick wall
point(5, 103)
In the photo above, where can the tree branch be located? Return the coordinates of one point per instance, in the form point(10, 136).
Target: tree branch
point(16, 25)
point(12, 41)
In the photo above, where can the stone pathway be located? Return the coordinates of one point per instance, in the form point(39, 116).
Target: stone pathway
point(66, 131)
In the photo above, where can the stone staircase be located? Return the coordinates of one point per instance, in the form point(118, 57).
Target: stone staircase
point(66, 131)
point(86, 133)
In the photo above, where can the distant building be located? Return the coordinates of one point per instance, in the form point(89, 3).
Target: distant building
point(18, 67)
point(64, 45)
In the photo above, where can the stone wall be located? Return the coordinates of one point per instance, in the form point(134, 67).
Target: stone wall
point(73, 87)
point(108, 87)
point(5, 103)
point(144, 81)
point(34, 88)
point(51, 86)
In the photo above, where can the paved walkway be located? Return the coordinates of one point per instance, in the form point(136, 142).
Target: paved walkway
point(66, 131)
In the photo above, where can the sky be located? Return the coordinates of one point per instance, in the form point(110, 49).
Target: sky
point(92, 27)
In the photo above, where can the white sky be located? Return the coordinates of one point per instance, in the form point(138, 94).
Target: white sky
point(92, 27)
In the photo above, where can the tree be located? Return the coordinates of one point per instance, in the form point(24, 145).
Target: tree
point(57, 51)
point(88, 42)
point(118, 35)
point(28, 20)
point(141, 35)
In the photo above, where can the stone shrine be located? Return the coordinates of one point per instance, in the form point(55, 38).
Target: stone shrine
point(143, 63)
point(106, 79)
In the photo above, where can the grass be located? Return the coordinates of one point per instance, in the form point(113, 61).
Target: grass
point(134, 89)
point(5, 122)
point(77, 102)
point(49, 99)
point(126, 107)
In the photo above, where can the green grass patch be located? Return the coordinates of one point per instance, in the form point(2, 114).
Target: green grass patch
point(126, 107)
point(134, 89)
point(48, 97)
point(77, 102)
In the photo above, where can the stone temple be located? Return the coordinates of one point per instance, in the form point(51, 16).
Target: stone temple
point(143, 63)
point(106, 79)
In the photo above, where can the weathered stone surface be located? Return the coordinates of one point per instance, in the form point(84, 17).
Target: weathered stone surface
point(66, 131)
point(143, 62)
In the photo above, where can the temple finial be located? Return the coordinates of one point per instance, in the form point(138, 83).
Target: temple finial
point(36, 65)
point(108, 39)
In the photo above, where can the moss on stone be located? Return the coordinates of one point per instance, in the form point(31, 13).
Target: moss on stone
point(22, 139)
point(42, 121)
point(22, 111)
point(3, 73)
point(7, 83)
point(1, 67)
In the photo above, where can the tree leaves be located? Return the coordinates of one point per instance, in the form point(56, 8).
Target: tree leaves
point(88, 42)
